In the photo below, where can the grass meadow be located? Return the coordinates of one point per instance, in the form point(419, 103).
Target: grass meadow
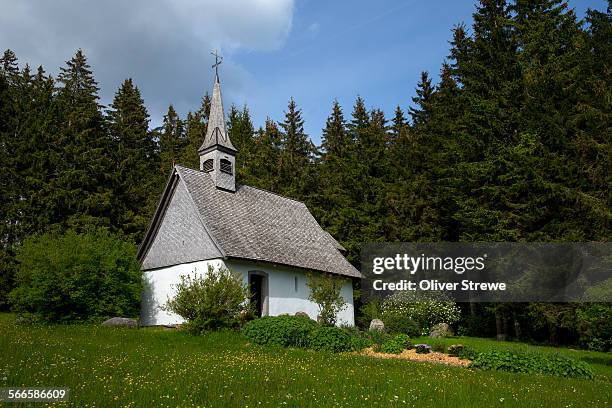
point(112, 367)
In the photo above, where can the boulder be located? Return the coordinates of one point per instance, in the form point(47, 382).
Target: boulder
point(377, 324)
point(441, 330)
point(302, 314)
point(120, 322)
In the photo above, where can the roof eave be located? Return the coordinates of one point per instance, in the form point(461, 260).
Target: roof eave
point(357, 275)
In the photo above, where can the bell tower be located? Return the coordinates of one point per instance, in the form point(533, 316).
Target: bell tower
point(217, 153)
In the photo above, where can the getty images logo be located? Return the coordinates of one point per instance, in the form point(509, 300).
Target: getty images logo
point(413, 264)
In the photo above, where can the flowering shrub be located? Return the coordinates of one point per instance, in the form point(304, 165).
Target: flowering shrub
point(422, 348)
point(424, 311)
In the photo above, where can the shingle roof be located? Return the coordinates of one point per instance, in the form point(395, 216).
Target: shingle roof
point(262, 226)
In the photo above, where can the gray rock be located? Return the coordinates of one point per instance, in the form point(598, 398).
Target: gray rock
point(120, 322)
point(441, 330)
point(377, 324)
point(302, 314)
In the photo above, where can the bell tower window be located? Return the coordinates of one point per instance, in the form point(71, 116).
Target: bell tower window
point(208, 166)
point(226, 166)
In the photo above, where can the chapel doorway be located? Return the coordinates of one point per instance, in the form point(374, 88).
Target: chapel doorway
point(258, 286)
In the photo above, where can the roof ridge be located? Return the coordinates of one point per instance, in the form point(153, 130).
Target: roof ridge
point(276, 194)
point(253, 187)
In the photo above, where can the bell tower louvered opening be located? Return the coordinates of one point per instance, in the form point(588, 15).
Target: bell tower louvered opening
point(208, 166)
point(226, 166)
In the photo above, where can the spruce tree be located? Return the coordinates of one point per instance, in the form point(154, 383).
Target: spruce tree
point(82, 191)
point(399, 126)
point(335, 142)
point(195, 131)
point(266, 164)
point(420, 113)
point(171, 141)
point(8, 185)
point(242, 134)
point(297, 152)
point(135, 160)
point(331, 200)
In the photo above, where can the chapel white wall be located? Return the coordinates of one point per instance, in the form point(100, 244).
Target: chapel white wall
point(159, 286)
point(282, 295)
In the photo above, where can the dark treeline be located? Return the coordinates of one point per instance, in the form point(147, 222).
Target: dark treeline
point(512, 143)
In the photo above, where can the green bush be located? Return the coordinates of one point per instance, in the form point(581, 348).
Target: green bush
point(532, 364)
point(368, 312)
point(455, 349)
point(467, 353)
point(297, 331)
point(325, 292)
point(391, 347)
point(438, 348)
point(334, 339)
point(595, 326)
point(210, 302)
point(77, 277)
point(285, 331)
point(378, 337)
point(596, 344)
point(360, 338)
point(396, 323)
point(396, 345)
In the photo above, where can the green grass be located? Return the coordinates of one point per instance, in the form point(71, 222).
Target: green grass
point(156, 368)
point(600, 362)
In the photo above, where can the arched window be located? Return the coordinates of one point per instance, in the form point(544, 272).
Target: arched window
point(208, 166)
point(226, 166)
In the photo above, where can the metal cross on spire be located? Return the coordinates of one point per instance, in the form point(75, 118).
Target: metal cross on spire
point(218, 61)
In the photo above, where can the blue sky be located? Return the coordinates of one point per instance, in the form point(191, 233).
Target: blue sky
point(315, 51)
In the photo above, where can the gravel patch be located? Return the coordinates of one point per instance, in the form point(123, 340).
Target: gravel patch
point(433, 357)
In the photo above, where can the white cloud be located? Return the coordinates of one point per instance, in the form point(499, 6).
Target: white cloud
point(165, 45)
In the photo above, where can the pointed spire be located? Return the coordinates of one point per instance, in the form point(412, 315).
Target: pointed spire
point(216, 134)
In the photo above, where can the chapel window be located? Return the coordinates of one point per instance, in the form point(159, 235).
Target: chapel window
point(226, 166)
point(208, 166)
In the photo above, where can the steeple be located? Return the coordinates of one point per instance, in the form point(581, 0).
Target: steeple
point(217, 153)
